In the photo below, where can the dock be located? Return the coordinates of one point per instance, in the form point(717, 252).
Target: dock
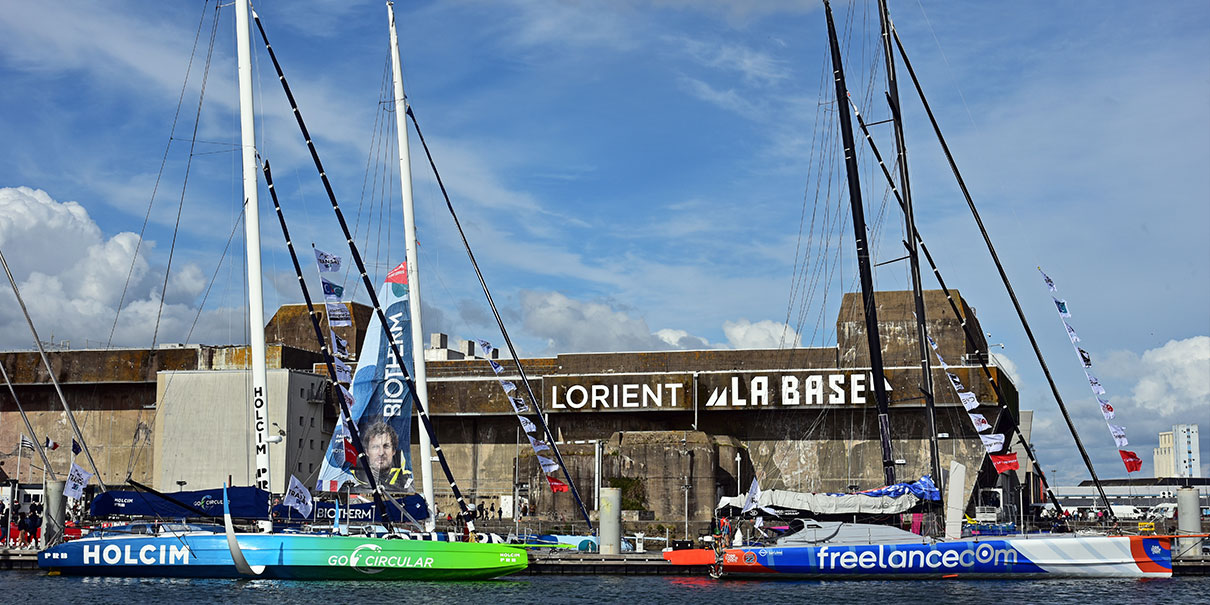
point(18, 558)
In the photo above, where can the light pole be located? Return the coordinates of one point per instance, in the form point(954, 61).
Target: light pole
point(739, 485)
point(180, 485)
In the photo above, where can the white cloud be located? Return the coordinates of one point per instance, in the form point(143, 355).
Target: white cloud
point(764, 334)
point(71, 279)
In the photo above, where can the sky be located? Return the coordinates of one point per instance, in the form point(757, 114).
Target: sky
point(633, 176)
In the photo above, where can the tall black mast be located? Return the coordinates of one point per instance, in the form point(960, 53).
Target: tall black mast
point(863, 253)
point(926, 366)
point(970, 202)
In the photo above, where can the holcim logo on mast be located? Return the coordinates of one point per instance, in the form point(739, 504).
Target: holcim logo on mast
point(261, 426)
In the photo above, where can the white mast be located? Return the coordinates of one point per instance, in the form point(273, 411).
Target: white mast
point(256, 311)
point(409, 229)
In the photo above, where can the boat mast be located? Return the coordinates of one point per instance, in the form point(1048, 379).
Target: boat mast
point(863, 253)
point(413, 274)
point(256, 310)
point(926, 369)
point(970, 202)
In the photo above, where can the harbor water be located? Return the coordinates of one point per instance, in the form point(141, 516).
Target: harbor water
point(36, 586)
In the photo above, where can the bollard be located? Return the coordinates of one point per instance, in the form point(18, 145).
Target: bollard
point(611, 521)
point(54, 513)
point(1188, 521)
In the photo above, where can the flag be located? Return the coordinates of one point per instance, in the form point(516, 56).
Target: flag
point(548, 465)
point(1085, 358)
point(398, 275)
point(968, 401)
point(993, 443)
point(932, 343)
point(1046, 278)
point(51, 445)
point(508, 386)
point(538, 444)
point(1119, 435)
point(497, 368)
point(486, 347)
point(77, 478)
point(298, 496)
point(1106, 409)
point(343, 372)
point(332, 291)
point(338, 315)
point(954, 381)
point(753, 497)
point(327, 262)
point(527, 424)
point(1071, 333)
point(1095, 384)
point(556, 485)
point(1061, 305)
point(519, 405)
point(75, 448)
point(1006, 462)
point(981, 423)
point(350, 452)
point(26, 443)
point(1131, 460)
point(340, 346)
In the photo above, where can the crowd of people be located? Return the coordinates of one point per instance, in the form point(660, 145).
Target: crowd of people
point(24, 528)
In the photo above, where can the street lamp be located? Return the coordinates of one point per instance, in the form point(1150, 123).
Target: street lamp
point(180, 485)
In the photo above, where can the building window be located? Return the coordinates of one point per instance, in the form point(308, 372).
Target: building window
point(300, 467)
point(300, 444)
point(312, 421)
point(300, 421)
point(312, 444)
point(310, 468)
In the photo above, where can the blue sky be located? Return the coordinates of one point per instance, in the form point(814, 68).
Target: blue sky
point(633, 176)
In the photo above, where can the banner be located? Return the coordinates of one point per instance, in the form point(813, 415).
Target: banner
point(77, 478)
point(993, 443)
point(298, 497)
point(753, 497)
point(382, 399)
point(343, 372)
point(340, 346)
point(556, 485)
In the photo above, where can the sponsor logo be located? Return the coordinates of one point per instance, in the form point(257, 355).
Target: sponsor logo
point(368, 558)
point(130, 554)
point(750, 558)
point(891, 557)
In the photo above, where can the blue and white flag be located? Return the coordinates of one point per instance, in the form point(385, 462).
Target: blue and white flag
point(497, 368)
point(298, 497)
point(1106, 409)
point(1046, 278)
point(75, 448)
point(328, 263)
point(1071, 332)
point(1061, 305)
point(538, 444)
point(981, 423)
point(519, 405)
point(1095, 384)
point(333, 292)
point(77, 478)
point(527, 425)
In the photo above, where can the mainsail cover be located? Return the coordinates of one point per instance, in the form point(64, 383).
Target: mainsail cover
point(382, 400)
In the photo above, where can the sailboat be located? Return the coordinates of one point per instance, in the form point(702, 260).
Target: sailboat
point(866, 551)
point(188, 550)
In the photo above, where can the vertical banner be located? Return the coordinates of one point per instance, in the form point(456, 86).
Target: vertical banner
point(382, 399)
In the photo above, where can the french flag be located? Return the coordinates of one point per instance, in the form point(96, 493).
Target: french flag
point(51, 445)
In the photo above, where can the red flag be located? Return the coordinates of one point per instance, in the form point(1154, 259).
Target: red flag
point(1006, 462)
point(350, 452)
point(556, 486)
point(1131, 460)
point(398, 275)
